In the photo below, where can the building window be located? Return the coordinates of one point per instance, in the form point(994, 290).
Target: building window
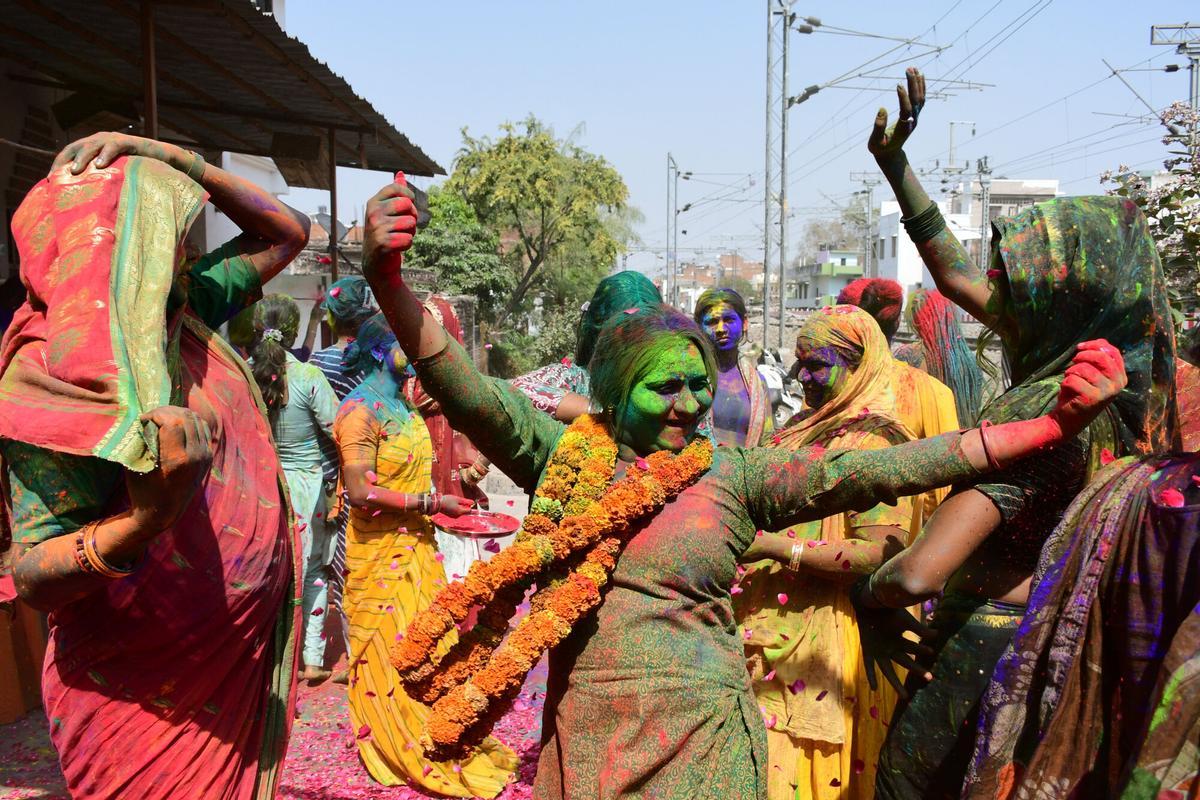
point(894, 238)
point(843, 262)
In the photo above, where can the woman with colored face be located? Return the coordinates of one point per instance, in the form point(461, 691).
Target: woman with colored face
point(741, 410)
point(1061, 272)
point(827, 733)
point(648, 693)
point(392, 568)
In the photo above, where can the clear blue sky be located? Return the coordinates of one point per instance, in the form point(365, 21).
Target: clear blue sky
point(643, 78)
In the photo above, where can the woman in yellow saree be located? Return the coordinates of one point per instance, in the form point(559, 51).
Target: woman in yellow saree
point(393, 570)
point(825, 725)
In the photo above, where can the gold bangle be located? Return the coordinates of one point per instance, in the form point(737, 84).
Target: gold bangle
point(97, 561)
point(797, 555)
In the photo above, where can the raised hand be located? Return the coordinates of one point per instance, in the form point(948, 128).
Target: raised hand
point(391, 223)
point(885, 142)
point(159, 497)
point(1095, 377)
point(105, 147)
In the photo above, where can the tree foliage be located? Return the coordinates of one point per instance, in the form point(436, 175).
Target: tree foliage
point(463, 254)
point(1172, 208)
point(551, 203)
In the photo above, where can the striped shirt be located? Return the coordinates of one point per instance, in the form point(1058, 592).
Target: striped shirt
point(329, 361)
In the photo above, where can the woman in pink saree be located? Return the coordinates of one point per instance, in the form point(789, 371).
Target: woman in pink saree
point(147, 507)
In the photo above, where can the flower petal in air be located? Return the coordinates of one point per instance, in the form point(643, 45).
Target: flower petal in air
point(1171, 498)
point(492, 546)
point(335, 291)
point(782, 598)
point(1107, 457)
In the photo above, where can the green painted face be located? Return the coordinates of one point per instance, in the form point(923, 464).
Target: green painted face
point(666, 404)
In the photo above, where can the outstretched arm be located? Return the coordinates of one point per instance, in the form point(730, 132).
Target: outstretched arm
point(811, 484)
point(273, 232)
point(956, 276)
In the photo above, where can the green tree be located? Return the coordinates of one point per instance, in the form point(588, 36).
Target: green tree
point(462, 253)
point(549, 201)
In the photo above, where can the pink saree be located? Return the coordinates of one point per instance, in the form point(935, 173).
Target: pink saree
point(177, 681)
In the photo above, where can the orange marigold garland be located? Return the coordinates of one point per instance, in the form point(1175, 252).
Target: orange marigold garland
point(464, 714)
point(584, 458)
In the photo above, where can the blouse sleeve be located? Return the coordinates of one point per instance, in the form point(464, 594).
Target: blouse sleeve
point(503, 423)
point(547, 386)
point(222, 283)
point(53, 494)
point(783, 488)
point(357, 434)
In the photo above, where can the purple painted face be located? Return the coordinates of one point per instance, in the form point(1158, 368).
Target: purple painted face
point(823, 372)
point(724, 326)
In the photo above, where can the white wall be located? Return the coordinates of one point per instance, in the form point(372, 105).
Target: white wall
point(906, 267)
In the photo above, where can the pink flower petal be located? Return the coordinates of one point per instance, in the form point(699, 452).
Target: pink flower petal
point(859, 766)
point(770, 676)
point(1172, 498)
point(439, 557)
point(492, 546)
point(735, 589)
point(371, 476)
point(796, 686)
point(821, 696)
point(874, 711)
point(642, 463)
point(487, 346)
point(782, 598)
point(316, 612)
point(630, 311)
point(335, 291)
point(363, 732)
point(1107, 457)
point(994, 273)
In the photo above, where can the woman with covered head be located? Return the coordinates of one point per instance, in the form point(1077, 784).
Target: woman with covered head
point(1063, 272)
point(347, 304)
point(563, 390)
point(301, 406)
point(393, 569)
point(649, 692)
point(741, 409)
point(146, 500)
point(825, 724)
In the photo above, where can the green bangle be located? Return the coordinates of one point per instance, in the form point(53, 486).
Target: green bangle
point(196, 170)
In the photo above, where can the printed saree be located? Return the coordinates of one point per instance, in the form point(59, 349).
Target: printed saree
point(825, 724)
point(1097, 694)
point(392, 572)
point(179, 679)
point(1074, 269)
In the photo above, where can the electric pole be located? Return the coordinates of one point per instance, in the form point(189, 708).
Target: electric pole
point(869, 180)
point(985, 200)
point(1186, 38)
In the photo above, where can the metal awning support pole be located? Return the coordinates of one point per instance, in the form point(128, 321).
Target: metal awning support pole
point(333, 210)
point(149, 77)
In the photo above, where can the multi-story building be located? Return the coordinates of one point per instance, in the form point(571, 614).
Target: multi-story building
point(817, 284)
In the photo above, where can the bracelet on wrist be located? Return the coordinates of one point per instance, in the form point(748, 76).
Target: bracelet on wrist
point(96, 562)
point(925, 225)
point(793, 564)
point(987, 452)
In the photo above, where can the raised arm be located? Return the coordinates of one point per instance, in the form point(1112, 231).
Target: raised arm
point(499, 420)
point(273, 232)
point(956, 276)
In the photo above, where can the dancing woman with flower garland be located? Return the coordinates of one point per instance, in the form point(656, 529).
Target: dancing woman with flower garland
point(649, 695)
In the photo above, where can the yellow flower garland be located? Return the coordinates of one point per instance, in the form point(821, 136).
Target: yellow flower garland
point(572, 514)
